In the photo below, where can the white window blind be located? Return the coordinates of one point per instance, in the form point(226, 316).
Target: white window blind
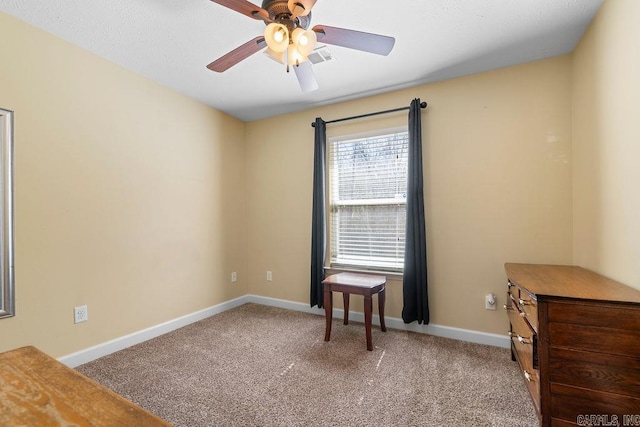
point(368, 186)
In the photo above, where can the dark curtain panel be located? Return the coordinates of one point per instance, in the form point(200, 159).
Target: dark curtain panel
point(318, 235)
point(414, 282)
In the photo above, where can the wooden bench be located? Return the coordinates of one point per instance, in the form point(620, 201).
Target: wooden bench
point(352, 283)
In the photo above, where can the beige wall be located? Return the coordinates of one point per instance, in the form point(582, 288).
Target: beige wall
point(129, 197)
point(497, 159)
point(140, 202)
point(606, 143)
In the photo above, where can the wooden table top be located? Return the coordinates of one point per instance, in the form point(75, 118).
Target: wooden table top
point(37, 390)
point(355, 279)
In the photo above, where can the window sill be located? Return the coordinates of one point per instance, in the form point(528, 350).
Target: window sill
point(393, 275)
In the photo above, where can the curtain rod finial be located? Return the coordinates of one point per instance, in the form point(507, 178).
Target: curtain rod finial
point(423, 104)
point(313, 124)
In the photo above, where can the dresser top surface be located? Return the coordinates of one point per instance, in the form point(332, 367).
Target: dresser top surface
point(567, 281)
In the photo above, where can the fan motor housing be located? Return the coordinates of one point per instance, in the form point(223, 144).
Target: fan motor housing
point(279, 12)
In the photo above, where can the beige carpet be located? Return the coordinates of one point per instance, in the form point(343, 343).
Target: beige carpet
point(263, 366)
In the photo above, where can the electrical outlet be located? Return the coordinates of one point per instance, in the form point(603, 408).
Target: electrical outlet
point(269, 276)
point(234, 277)
point(80, 314)
point(490, 302)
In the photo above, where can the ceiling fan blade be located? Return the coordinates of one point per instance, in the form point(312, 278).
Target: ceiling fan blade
point(306, 76)
point(244, 7)
point(238, 54)
point(367, 42)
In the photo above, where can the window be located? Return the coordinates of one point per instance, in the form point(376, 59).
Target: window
point(368, 197)
point(6, 214)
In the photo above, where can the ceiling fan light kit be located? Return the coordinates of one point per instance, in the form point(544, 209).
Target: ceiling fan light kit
point(287, 31)
point(300, 7)
point(277, 37)
point(304, 40)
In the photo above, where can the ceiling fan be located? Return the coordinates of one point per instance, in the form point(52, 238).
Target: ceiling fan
point(289, 41)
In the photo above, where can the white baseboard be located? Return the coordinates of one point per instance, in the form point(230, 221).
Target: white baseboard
point(87, 355)
point(459, 334)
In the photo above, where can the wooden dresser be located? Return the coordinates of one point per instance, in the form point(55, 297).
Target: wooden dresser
point(576, 336)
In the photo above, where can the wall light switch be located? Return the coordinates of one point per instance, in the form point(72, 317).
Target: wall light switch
point(234, 277)
point(269, 276)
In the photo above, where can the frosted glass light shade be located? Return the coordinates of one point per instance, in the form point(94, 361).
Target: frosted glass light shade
point(304, 40)
point(294, 56)
point(277, 37)
point(300, 7)
point(276, 56)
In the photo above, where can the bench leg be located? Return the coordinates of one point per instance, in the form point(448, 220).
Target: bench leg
point(381, 300)
point(345, 300)
point(328, 311)
point(367, 320)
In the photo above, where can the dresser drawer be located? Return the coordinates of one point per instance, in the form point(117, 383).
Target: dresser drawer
point(524, 339)
point(529, 306)
point(524, 346)
point(531, 376)
point(532, 380)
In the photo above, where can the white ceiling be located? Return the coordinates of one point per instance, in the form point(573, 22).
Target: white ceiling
point(172, 41)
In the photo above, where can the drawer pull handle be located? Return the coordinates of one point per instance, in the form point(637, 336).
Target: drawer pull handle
point(520, 338)
point(507, 307)
point(523, 340)
point(523, 302)
point(528, 376)
point(523, 314)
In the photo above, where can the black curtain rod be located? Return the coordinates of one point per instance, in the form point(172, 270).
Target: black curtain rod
point(422, 105)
